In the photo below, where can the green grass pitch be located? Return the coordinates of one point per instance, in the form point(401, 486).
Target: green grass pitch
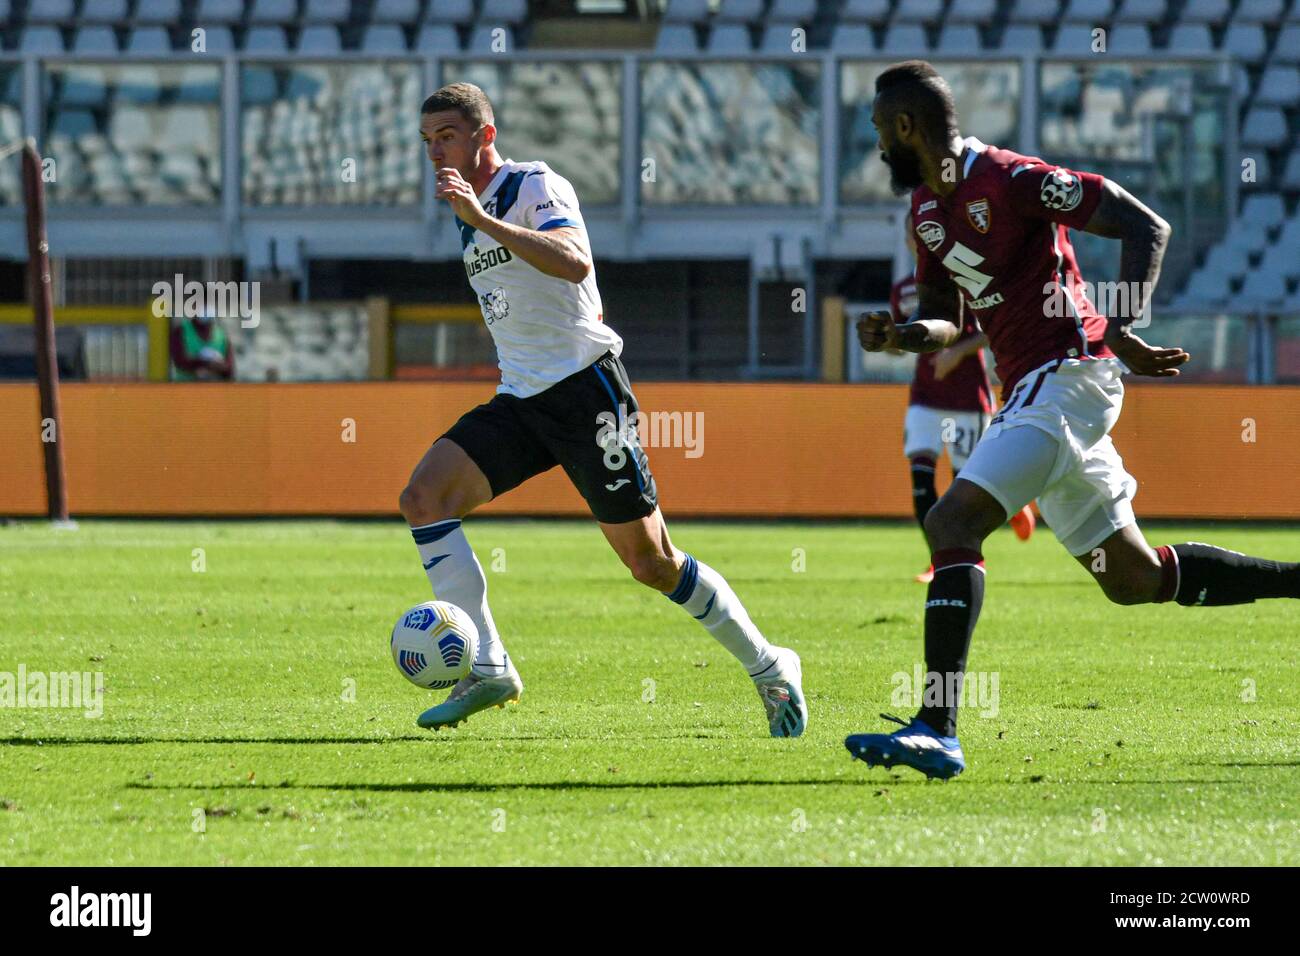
point(252, 713)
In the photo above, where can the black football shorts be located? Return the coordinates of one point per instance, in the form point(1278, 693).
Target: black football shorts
point(585, 423)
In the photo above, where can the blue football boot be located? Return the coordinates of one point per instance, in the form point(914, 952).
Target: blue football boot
point(917, 746)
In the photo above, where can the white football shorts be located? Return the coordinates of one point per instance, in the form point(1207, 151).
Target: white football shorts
point(934, 430)
point(1051, 441)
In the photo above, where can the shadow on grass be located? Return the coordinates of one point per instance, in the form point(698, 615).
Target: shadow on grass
point(298, 741)
point(559, 786)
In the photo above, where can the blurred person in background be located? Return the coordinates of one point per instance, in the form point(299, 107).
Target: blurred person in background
point(201, 351)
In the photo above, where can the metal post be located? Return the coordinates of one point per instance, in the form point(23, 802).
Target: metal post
point(47, 360)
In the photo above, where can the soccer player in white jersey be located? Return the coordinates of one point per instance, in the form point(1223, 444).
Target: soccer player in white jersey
point(562, 396)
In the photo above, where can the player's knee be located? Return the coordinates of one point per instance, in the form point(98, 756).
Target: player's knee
point(423, 503)
point(653, 570)
point(948, 525)
point(1132, 587)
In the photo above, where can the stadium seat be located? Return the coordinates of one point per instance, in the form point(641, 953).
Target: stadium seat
point(218, 11)
point(217, 41)
point(484, 38)
point(864, 11)
point(917, 11)
point(1291, 176)
point(956, 38)
point(1287, 48)
point(1265, 127)
point(148, 41)
point(850, 38)
point(1281, 260)
point(395, 11)
point(503, 12)
point(273, 11)
point(1074, 39)
point(1228, 261)
point(202, 84)
point(41, 40)
point(1140, 11)
point(140, 84)
point(1265, 211)
point(904, 38)
point(1247, 236)
point(1263, 288)
point(265, 39)
point(383, 38)
point(686, 11)
point(103, 11)
point(778, 38)
point(95, 40)
point(437, 38)
point(978, 12)
point(730, 38)
point(82, 86)
point(51, 11)
point(326, 12)
point(1205, 287)
point(319, 38)
point(1022, 38)
point(676, 38)
point(73, 124)
point(792, 11)
point(1279, 86)
point(1204, 11)
point(1129, 39)
point(150, 12)
point(1245, 41)
point(1258, 11)
point(1190, 38)
point(1092, 12)
point(1035, 11)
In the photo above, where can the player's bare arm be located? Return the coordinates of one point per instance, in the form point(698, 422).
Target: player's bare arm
point(562, 253)
point(1144, 237)
point(936, 325)
point(949, 358)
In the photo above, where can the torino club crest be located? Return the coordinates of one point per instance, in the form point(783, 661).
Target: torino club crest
point(977, 212)
point(1061, 190)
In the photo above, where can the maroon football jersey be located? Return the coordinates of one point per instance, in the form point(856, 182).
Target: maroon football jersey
point(965, 388)
point(1003, 236)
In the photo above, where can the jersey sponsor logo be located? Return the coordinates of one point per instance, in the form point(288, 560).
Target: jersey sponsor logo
point(484, 260)
point(927, 206)
point(961, 261)
point(551, 204)
point(987, 302)
point(495, 306)
point(931, 234)
point(977, 211)
point(1061, 190)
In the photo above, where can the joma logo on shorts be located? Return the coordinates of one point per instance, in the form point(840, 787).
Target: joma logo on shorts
point(486, 260)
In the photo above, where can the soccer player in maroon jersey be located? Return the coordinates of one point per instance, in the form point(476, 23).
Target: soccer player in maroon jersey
point(992, 226)
point(948, 408)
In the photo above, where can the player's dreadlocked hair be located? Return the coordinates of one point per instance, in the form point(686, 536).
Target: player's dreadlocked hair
point(915, 87)
point(466, 99)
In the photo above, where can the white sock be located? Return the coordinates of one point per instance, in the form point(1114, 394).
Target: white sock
point(457, 578)
point(707, 597)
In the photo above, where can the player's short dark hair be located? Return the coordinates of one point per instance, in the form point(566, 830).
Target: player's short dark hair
point(466, 99)
point(915, 87)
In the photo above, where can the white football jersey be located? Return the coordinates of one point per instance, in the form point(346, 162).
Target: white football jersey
point(545, 328)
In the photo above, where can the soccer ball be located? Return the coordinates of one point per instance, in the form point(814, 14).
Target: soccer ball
point(434, 644)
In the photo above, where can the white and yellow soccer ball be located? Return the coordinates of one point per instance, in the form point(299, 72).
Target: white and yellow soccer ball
point(434, 644)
